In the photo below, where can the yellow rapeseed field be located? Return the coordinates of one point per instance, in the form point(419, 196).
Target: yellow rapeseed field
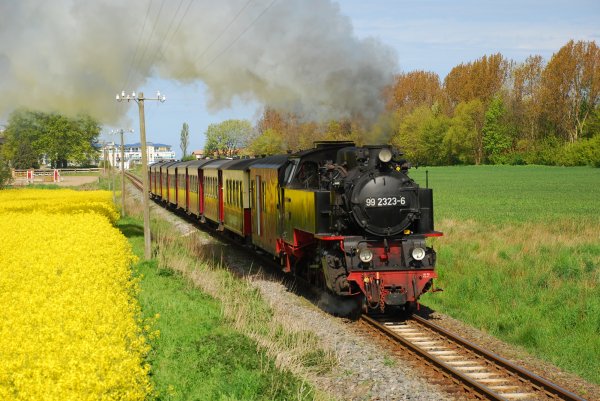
point(69, 326)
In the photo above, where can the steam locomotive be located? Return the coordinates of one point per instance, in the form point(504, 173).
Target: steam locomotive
point(345, 218)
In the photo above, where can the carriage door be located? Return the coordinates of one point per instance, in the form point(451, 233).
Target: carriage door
point(188, 189)
point(220, 189)
point(259, 205)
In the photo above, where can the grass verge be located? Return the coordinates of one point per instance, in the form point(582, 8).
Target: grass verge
point(210, 347)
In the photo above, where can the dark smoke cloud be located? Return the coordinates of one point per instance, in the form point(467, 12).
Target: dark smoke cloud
point(299, 55)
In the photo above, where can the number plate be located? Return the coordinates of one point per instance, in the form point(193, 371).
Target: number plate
point(385, 201)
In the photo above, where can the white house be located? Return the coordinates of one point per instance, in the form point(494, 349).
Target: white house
point(133, 153)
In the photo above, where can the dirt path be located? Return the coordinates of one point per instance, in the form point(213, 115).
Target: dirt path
point(65, 181)
point(76, 180)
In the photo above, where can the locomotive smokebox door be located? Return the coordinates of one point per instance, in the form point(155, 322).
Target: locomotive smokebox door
point(384, 205)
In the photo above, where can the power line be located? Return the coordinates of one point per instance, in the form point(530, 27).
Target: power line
point(224, 30)
point(239, 36)
point(151, 33)
point(168, 40)
point(159, 51)
point(138, 46)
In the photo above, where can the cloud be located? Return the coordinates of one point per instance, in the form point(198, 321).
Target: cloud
point(301, 55)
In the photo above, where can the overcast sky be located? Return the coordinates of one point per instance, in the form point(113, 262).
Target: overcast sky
point(431, 35)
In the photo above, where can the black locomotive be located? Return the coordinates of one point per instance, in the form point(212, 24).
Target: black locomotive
point(345, 218)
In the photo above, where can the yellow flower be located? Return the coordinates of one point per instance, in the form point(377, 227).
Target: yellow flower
point(69, 321)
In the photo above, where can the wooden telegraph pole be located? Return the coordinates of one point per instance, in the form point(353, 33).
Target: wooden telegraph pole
point(139, 99)
point(121, 132)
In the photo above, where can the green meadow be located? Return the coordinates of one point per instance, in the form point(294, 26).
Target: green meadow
point(520, 257)
point(197, 353)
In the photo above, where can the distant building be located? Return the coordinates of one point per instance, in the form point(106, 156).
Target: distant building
point(133, 153)
point(198, 154)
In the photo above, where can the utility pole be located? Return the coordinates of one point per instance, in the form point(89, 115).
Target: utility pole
point(112, 171)
point(139, 99)
point(121, 131)
point(104, 157)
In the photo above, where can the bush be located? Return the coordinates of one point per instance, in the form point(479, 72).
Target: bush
point(543, 152)
point(585, 152)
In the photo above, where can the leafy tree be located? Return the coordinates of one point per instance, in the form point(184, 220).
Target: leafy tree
point(420, 135)
point(526, 105)
point(185, 137)
point(295, 133)
point(496, 139)
point(336, 130)
point(410, 132)
point(434, 131)
point(592, 124)
point(269, 142)
point(571, 87)
point(21, 136)
point(481, 79)
point(25, 156)
point(32, 134)
point(413, 89)
point(463, 141)
point(225, 139)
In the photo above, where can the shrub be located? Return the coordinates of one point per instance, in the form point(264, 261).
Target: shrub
point(585, 152)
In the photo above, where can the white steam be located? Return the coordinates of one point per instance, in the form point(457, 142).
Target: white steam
point(298, 55)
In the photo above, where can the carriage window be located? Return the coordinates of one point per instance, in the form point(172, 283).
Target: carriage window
point(232, 192)
point(227, 192)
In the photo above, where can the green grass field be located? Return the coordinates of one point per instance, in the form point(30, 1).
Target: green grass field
point(521, 257)
point(197, 354)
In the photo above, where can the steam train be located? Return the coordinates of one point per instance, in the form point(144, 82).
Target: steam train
point(345, 218)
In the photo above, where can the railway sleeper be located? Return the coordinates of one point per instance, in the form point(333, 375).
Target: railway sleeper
point(516, 395)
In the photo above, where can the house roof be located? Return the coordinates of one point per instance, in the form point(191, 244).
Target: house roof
point(137, 144)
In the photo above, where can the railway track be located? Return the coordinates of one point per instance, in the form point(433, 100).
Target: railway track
point(478, 371)
point(136, 181)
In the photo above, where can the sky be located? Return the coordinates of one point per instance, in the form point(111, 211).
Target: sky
point(431, 35)
point(228, 40)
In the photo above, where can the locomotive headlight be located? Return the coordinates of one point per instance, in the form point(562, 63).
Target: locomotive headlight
point(385, 155)
point(365, 255)
point(418, 253)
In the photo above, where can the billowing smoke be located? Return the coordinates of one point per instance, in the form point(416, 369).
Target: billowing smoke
point(297, 55)
point(338, 306)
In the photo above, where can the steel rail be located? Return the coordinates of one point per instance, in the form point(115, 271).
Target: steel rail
point(536, 381)
point(441, 365)
point(504, 363)
point(134, 180)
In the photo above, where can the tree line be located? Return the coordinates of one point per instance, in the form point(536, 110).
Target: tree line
point(31, 136)
point(492, 110)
